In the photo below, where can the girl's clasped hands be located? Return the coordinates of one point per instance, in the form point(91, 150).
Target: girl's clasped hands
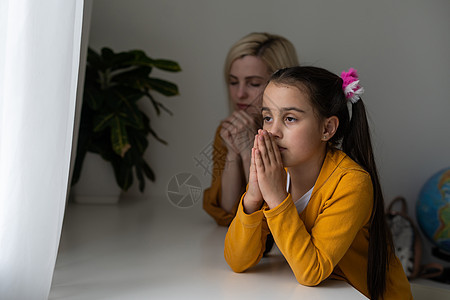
point(267, 177)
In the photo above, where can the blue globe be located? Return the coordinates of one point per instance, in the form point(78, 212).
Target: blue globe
point(433, 209)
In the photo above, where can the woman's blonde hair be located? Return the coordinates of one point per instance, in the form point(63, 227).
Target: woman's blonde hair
point(275, 51)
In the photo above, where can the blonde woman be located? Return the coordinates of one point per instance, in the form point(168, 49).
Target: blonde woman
point(248, 66)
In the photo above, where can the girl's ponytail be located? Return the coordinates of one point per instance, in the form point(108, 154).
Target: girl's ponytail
point(357, 144)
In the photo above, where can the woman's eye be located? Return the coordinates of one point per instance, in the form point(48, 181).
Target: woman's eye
point(233, 83)
point(255, 84)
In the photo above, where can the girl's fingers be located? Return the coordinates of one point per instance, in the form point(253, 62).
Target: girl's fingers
point(252, 164)
point(255, 153)
point(252, 159)
point(268, 140)
point(276, 151)
point(259, 162)
point(263, 150)
point(266, 147)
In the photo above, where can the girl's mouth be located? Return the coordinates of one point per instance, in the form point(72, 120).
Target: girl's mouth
point(281, 149)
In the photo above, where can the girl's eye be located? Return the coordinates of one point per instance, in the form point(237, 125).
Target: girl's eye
point(267, 119)
point(290, 119)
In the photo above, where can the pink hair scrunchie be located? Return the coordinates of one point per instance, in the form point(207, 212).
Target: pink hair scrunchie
point(350, 85)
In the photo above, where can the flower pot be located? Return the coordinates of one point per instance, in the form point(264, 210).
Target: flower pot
point(97, 184)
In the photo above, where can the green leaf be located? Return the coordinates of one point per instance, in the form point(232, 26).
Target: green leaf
point(140, 176)
point(107, 56)
point(154, 103)
point(130, 76)
point(167, 65)
point(113, 100)
point(119, 137)
point(102, 121)
point(132, 58)
point(129, 93)
point(148, 171)
point(162, 86)
point(121, 60)
point(157, 105)
point(130, 121)
point(124, 176)
point(138, 140)
point(152, 132)
point(140, 56)
point(94, 60)
point(92, 96)
point(129, 111)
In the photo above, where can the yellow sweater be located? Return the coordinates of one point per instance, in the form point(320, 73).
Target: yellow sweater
point(329, 239)
point(212, 195)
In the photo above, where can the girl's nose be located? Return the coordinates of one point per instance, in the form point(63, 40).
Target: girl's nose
point(275, 130)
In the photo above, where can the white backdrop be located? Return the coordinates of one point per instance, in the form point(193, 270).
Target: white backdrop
point(39, 59)
point(400, 48)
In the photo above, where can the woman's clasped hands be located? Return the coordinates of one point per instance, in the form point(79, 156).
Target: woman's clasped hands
point(237, 131)
point(267, 177)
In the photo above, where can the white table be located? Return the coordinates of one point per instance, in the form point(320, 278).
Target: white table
point(150, 249)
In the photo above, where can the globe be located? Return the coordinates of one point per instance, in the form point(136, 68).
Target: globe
point(433, 209)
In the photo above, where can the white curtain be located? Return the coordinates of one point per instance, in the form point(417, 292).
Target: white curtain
point(39, 61)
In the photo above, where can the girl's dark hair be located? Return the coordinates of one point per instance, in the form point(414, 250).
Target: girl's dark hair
point(353, 137)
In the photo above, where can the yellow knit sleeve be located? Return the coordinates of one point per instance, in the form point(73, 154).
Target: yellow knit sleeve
point(246, 239)
point(313, 255)
point(212, 195)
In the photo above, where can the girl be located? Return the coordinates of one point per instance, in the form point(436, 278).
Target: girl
point(326, 212)
point(248, 66)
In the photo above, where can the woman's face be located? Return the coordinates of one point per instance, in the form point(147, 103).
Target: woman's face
point(248, 76)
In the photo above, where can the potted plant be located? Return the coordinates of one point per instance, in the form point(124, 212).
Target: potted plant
point(112, 124)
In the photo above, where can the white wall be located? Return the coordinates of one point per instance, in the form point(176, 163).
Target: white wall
point(400, 48)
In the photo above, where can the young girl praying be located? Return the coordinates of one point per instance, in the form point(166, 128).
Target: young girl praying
point(313, 185)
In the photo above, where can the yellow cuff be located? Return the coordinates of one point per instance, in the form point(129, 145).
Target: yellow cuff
point(269, 213)
point(249, 220)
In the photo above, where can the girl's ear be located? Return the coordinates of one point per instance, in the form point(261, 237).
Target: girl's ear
point(330, 126)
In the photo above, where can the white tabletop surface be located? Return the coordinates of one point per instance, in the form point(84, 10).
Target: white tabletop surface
point(150, 249)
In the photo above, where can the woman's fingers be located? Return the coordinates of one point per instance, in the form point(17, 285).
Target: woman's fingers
point(248, 121)
point(244, 122)
point(237, 120)
point(229, 126)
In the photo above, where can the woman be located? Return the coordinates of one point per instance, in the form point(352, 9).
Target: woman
point(248, 66)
